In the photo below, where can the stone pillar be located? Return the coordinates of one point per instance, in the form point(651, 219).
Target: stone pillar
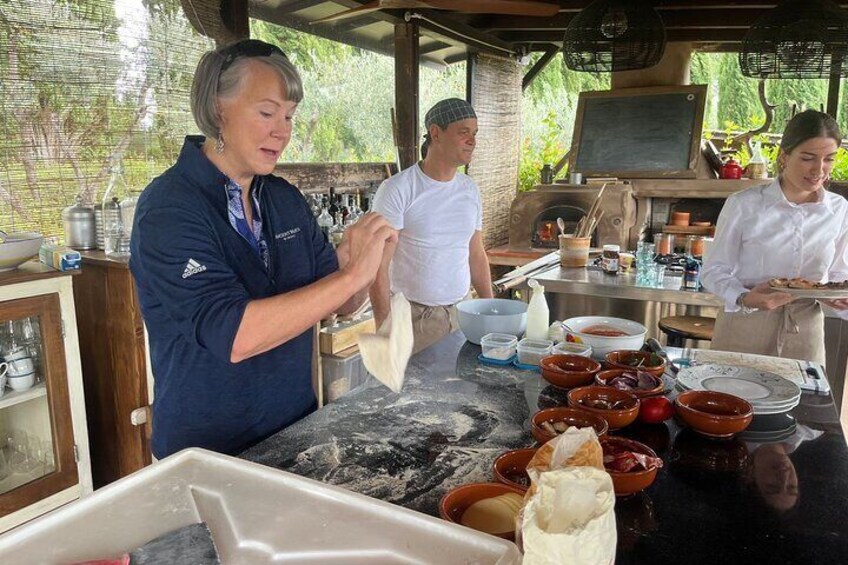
point(496, 96)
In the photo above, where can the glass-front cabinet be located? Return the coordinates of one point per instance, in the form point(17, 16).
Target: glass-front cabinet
point(43, 443)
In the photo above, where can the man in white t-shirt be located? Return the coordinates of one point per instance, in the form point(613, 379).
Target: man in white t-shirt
point(437, 210)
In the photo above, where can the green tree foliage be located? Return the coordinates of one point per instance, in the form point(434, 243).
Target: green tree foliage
point(732, 97)
point(346, 111)
point(548, 111)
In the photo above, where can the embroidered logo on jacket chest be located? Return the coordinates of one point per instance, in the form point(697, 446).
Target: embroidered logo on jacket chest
point(287, 235)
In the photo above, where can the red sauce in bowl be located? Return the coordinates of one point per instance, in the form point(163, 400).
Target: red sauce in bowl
point(604, 331)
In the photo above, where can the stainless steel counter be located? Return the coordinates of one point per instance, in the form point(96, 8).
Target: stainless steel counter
point(593, 282)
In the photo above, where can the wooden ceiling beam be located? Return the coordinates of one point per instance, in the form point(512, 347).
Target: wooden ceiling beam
point(577, 5)
point(327, 32)
point(556, 36)
point(439, 24)
point(297, 5)
point(696, 18)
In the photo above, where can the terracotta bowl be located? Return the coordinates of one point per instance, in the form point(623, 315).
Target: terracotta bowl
point(510, 468)
point(714, 414)
point(626, 484)
point(617, 418)
point(623, 359)
point(571, 416)
point(569, 371)
point(604, 377)
point(456, 501)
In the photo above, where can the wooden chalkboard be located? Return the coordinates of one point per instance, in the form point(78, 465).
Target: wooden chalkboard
point(639, 132)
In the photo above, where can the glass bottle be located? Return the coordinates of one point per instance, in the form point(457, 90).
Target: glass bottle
point(336, 234)
point(116, 237)
point(325, 222)
point(334, 208)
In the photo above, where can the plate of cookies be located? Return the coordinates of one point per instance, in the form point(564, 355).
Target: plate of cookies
point(804, 288)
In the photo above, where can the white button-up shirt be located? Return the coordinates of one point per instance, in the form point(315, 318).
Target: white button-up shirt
point(761, 235)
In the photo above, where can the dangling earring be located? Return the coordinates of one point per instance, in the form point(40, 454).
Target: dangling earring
point(219, 144)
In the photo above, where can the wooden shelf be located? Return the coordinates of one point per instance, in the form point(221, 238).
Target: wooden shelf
point(692, 188)
point(32, 271)
point(13, 397)
point(708, 231)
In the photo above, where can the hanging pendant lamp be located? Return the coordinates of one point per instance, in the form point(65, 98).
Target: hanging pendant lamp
point(614, 35)
point(797, 39)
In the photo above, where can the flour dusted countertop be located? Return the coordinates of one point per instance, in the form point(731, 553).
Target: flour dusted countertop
point(777, 497)
point(445, 428)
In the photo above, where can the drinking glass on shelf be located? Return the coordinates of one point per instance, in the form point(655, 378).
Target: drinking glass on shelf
point(5, 469)
point(16, 444)
point(48, 458)
point(645, 247)
point(658, 275)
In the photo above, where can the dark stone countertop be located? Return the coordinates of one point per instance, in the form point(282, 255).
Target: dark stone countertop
point(713, 502)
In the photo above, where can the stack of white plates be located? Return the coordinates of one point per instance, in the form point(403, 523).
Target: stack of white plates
point(768, 393)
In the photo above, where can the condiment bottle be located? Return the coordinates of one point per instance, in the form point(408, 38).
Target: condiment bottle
point(757, 166)
point(610, 258)
point(692, 274)
point(547, 174)
point(538, 315)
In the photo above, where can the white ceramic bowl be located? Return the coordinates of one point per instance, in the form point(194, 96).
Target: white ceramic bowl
point(482, 316)
point(23, 382)
point(18, 248)
point(601, 345)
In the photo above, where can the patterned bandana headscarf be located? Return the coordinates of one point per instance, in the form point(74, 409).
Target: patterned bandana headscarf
point(448, 111)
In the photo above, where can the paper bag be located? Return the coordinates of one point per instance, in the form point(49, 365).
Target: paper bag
point(386, 353)
point(576, 447)
point(568, 514)
point(570, 519)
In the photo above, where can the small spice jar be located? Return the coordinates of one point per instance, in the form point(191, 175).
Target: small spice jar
point(610, 259)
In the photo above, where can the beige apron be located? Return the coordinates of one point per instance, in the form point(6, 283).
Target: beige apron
point(793, 331)
point(432, 323)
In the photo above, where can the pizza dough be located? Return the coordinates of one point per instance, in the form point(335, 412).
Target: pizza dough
point(386, 353)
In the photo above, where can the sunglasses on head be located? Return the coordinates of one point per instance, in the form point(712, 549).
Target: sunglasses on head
point(247, 48)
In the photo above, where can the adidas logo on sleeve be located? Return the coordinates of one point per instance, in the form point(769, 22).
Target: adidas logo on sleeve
point(192, 268)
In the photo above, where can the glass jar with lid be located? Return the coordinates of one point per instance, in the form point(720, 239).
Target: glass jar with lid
point(610, 259)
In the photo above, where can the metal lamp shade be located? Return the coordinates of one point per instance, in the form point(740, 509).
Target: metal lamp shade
point(614, 35)
point(797, 39)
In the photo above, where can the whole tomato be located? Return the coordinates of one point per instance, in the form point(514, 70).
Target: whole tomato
point(655, 409)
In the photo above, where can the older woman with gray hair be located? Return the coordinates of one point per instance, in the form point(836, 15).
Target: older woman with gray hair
point(231, 269)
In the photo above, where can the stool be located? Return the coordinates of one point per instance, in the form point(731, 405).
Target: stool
point(680, 328)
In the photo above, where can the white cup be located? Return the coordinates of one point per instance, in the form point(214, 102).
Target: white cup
point(20, 367)
point(23, 382)
point(17, 353)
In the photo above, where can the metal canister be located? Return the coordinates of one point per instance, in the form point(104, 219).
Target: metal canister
point(79, 223)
